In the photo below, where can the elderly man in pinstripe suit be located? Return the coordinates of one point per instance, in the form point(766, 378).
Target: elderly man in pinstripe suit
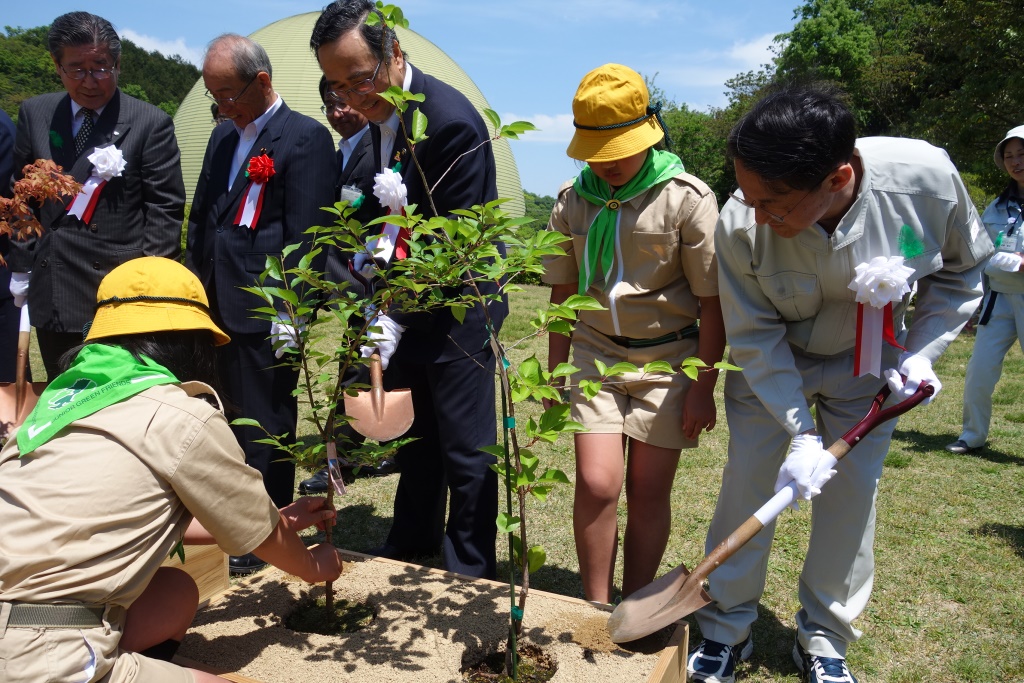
point(228, 245)
point(136, 213)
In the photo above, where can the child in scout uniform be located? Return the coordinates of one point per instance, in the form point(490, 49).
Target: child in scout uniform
point(103, 479)
point(641, 232)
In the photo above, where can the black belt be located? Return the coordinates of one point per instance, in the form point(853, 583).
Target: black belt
point(691, 331)
point(41, 615)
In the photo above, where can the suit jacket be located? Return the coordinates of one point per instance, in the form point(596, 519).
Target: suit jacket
point(139, 213)
point(453, 128)
point(226, 256)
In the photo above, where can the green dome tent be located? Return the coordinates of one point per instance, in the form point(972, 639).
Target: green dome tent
point(296, 76)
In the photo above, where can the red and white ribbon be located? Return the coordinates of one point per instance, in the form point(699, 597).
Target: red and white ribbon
point(879, 283)
point(85, 201)
point(107, 163)
point(391, 191)
point(251, 205)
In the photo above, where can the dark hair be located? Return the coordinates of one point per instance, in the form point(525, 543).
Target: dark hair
point(81, 28)
point(247, 56)
point(189, 354)
point(796, 136)
point(323, 87)
point(343, 16)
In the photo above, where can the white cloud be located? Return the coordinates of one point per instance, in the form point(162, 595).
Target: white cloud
point(557, 128)
point(168, 48)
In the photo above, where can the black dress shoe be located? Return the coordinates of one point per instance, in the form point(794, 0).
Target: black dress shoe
point(383, 469)
point(393, 552)
point(243, 565)
point(316, 484)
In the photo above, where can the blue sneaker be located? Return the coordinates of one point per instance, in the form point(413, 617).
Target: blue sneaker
point(816, 669)
point(715, 662)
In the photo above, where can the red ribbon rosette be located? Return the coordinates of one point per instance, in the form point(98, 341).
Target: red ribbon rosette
point(259, 171)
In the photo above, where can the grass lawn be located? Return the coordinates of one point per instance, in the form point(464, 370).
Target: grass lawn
point(948, 602)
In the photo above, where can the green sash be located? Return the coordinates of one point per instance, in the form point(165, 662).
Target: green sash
point(100, 376)
point(600, 250)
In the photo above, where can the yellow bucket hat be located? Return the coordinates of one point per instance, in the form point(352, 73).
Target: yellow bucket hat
point(612, 115)
point(151, 294)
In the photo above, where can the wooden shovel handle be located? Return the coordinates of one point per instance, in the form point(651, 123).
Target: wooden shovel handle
point(20, 383)
point(781, 500)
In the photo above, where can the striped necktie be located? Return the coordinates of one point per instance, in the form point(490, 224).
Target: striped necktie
point(84, 132)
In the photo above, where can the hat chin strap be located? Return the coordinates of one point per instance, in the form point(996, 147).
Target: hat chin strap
point(652, 110)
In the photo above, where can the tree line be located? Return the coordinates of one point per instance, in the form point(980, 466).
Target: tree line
point(26, 70)
point(946, 71)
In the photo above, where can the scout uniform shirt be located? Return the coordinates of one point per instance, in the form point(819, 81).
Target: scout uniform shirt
point(664, 257)
point(89, 516)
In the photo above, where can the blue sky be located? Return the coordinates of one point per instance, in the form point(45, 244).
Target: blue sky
point(527, 57)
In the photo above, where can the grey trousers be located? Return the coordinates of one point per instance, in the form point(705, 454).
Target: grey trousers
point(838, 570)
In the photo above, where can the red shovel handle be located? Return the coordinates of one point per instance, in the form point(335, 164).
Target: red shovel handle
point(877, 416)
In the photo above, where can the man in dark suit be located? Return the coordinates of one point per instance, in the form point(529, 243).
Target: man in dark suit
point(229, 241)
point(135, 213)
point(355, 184)
point(448, 365)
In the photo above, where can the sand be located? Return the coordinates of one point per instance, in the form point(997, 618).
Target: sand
point(427, 625)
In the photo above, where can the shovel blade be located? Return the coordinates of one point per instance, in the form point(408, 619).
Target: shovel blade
point(381, 417)
point(660, 603)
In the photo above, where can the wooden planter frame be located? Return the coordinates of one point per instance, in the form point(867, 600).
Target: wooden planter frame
point(670, 667)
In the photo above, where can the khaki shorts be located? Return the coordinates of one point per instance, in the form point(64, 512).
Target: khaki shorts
point(65, 655)
point(648, 409)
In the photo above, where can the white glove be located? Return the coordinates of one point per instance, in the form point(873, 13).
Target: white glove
point(19, 288)
point(1006, 260)
point(917, 369)
point(384, 342)
point(808, 464)
point(363, 264)
point(283, 335)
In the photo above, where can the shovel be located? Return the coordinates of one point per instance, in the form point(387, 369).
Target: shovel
point(13, 412)
point(680, 592)
point(377, 414)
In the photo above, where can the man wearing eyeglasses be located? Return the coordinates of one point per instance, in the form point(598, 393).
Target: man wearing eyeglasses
point(447, 365)
point(136, 213)
point(239, 218)
point(815, 203)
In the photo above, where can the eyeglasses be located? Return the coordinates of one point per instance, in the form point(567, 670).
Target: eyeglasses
point(231, 100)
point(80, 74)
point(328, 107)
point(362, 88)
point(774, 216)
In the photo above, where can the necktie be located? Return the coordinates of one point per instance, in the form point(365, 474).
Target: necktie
point(84, 132)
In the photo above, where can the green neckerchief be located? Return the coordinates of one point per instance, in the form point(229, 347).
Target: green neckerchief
point(600, 250)
point(100, 376)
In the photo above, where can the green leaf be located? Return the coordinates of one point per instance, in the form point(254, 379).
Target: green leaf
point(246, 422)
point(601, 368)
point(566, 369)
point(495, 450)
point(659, 366)
point(492, 116)
point(419, 125)
point(579, 302)
point(589, 388)
point(529, 370)
point(507, 523)
point(535, 558)
point(620, 369)
point(727, 366)
point(179, 550)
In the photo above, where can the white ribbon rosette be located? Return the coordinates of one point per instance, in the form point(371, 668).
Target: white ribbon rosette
point(391, 191)
point(107, 163)
point(878, 284)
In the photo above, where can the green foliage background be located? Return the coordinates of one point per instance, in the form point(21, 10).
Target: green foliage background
point(26, 70)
